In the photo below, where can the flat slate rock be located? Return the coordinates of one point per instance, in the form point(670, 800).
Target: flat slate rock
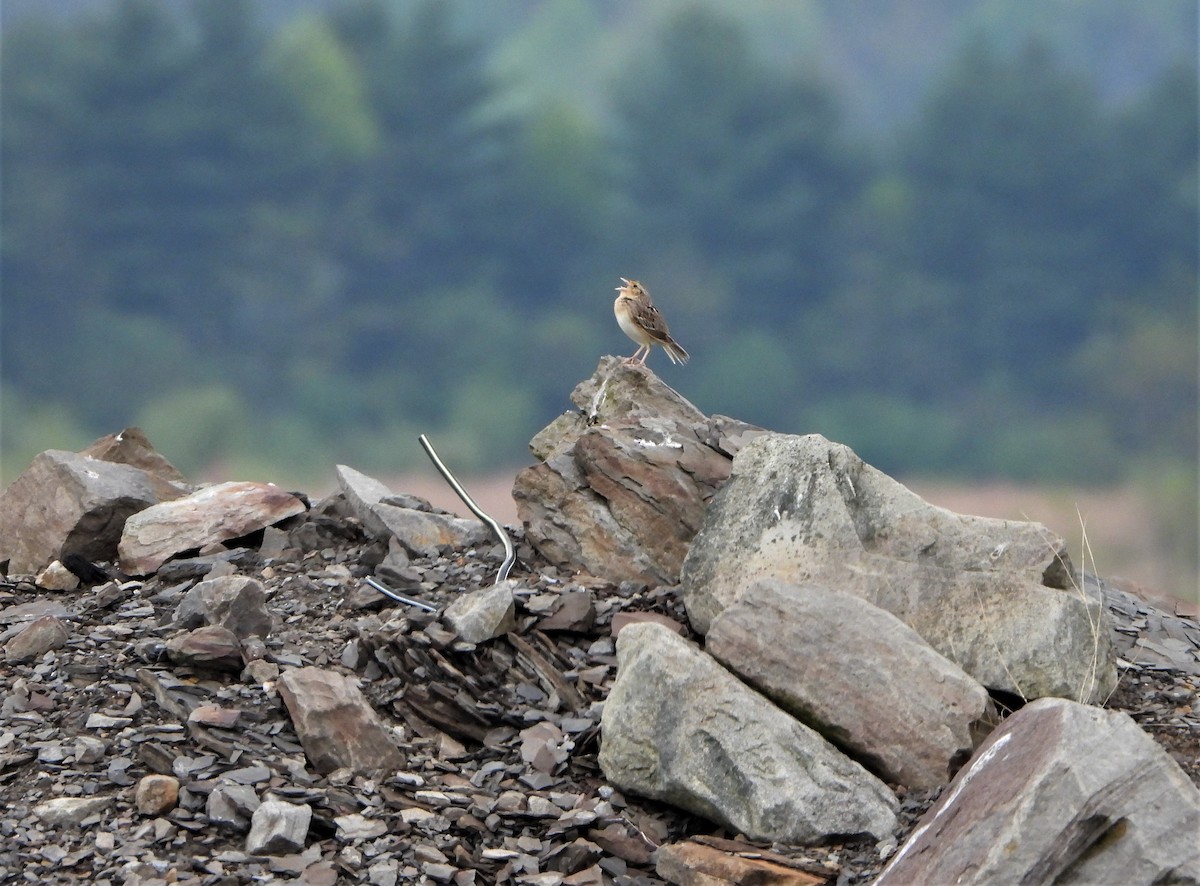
point(208, 516)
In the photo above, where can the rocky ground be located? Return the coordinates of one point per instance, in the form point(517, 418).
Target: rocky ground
point(499, 783)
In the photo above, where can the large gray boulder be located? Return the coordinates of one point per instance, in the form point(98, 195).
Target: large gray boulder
point(622, 485)
point(858, 675)
point(1060, 793)
point(994, 596)
point(678, 727)
point(69, 503)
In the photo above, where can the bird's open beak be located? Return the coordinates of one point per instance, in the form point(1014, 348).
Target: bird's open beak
point(623, 280)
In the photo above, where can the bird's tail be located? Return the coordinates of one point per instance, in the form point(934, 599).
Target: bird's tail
point(675, 351)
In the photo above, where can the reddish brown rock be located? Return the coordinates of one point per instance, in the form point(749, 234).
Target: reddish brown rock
point(214, 647)
point(694, 864)
point(337, 725)
point(622, 486)
point(156, 794)
point(207, 516)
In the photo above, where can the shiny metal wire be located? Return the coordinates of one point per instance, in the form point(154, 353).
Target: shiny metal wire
point(510, 553)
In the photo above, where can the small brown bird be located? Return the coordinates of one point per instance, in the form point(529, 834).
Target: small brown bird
point(642, 322)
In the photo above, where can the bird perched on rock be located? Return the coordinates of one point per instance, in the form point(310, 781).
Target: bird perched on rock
point(642, 322)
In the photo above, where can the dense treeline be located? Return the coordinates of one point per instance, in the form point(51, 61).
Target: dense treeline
point(313, 237)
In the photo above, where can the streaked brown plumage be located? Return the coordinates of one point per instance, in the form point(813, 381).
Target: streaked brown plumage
point(642, 322)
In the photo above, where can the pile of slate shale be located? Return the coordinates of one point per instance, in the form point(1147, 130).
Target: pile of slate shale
point(723, 656)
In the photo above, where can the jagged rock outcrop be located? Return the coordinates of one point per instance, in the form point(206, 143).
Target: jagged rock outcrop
point(994, 596)
point(132, 447)
point(678, 727)
point(1060, 793)
point(858, 675)
point(69, 503)
point(498, 741)
point(622, 485)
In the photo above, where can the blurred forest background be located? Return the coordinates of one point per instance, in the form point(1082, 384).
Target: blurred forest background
point(958, 235)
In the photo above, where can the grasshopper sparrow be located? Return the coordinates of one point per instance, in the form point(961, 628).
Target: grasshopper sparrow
point(643, 323)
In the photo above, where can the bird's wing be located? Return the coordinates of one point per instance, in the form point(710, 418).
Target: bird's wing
point(649, 318)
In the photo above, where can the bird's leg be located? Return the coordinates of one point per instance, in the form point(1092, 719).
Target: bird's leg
point(634, 358)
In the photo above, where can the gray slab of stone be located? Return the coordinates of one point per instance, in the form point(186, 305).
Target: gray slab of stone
point(67, 503)
point(1061, 793)
point(994, 596)
point(481, 615)
point(66, 811)
point(236, 602)
point(278, 828)
point(336, 724)
point(421, 532)
point(679, 728)
point(231, 805)
point(208, 516)
point(856, 674)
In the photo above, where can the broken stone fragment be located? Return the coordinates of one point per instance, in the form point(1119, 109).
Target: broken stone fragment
point(232, 805)
point(63, 811)
point(422, 532)
point(66, 503)
point(278, 828)
point(236, 602)
point(1060, 793)
point(679, 728)
point(208, 516)
point(36, 639)
point(57, 577)
point(131, 447)
point(856, 674)
point(994, 596)
point(213, 646)
point(480, 615)
point(336, 724)
point(576, 612)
